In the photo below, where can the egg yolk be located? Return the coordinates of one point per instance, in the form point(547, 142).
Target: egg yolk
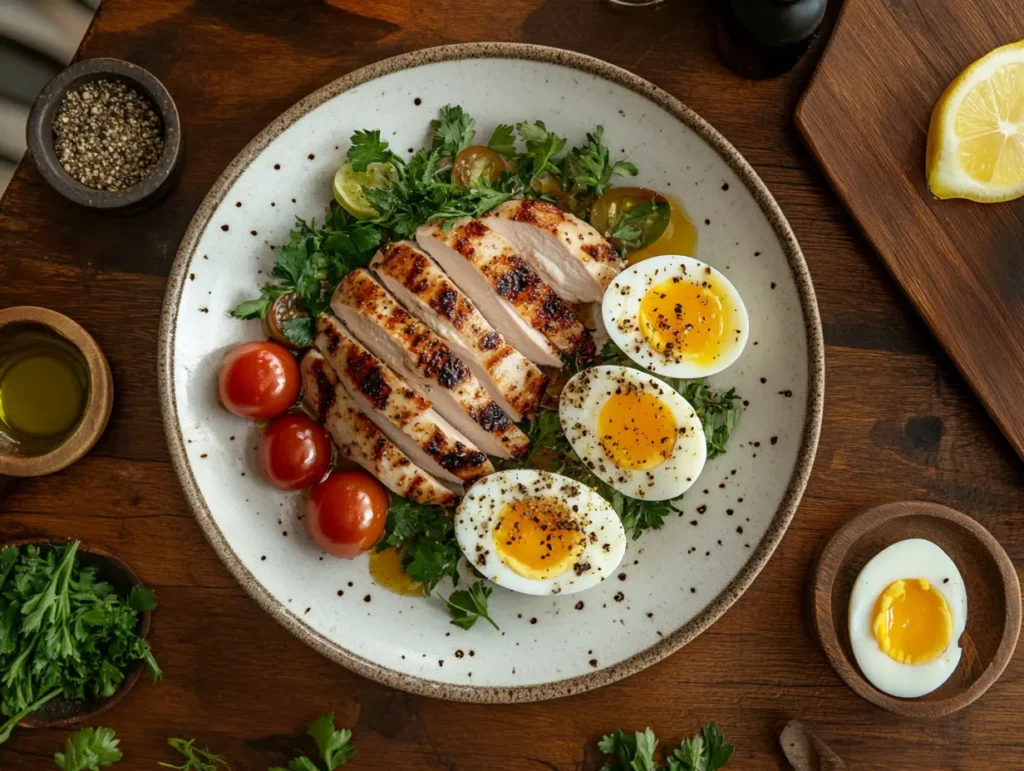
point(539, 537)
point(637, 430)
point(912, 621)
point(685, 321)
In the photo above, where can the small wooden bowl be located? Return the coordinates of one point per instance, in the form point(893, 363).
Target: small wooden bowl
point(97, 411)
point(61, 712)
point(165, 172)
point(993, 599)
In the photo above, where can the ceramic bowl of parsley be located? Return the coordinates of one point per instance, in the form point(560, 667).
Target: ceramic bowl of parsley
point(98, 615)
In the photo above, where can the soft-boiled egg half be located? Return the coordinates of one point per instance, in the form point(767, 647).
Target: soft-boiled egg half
point(633, 431)
point(908, 610)
point(676, 316)
point(536, 532)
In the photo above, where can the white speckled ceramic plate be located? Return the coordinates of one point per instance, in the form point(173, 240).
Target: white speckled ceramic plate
point(673, 583)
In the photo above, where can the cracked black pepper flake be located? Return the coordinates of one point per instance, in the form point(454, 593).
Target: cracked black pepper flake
point(107, 135)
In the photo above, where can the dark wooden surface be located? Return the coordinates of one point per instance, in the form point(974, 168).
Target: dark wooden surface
point(899, 421)
point(959, 261)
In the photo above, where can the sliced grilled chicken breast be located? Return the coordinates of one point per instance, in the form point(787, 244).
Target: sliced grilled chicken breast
point(570, 255)
point(405, 417)
point(470, 251)
point(429, 295)
point(408, 347)
point(360, 440)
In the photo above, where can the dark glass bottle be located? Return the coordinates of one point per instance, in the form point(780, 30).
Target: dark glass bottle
point(765, 38)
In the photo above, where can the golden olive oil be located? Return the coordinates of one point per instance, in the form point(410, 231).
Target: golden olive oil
point(44, 387)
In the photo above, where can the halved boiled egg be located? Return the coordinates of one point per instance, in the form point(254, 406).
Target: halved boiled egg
point(908, 610)
point(536, 532)
point(676, 316)
point(633, 431)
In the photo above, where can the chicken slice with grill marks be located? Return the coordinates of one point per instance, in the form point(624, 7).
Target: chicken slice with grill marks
point(428, 294)
point(360, 440)
point(409, 348)
point(568, 253)
point(405, 417)
point(488, 269)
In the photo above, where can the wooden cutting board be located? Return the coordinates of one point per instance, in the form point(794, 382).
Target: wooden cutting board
point(865, 116)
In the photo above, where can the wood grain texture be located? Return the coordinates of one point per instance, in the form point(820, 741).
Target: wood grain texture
point(865, 117)
point(899, 422)
point(993, 599)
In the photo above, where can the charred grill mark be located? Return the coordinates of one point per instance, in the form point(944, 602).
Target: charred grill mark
point(520, 278)
point(462, 459)
point(365, 372)
point(444, 367)
point(490, 341)
point(492, 419)
point(325, 390)
point(526, 213)
point(412, 264)
point(600, 252)
point(328, 330)
point(446, 303)
point(473, 229)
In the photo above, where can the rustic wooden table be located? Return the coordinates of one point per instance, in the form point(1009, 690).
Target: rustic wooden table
point(899, 421)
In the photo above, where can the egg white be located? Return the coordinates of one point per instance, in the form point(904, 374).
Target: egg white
point(913, 558)
point(578, 409)
point(620, 310)
point(480, 510)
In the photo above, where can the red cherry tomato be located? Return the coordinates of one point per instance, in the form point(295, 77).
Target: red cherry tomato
point(294, 452)
point(259, 380)
point(346, 513)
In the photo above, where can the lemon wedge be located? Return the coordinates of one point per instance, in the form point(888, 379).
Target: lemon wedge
point(349, 184)
point(976, 136)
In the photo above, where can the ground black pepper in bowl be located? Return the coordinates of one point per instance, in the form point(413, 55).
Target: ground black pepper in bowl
point(107, 135)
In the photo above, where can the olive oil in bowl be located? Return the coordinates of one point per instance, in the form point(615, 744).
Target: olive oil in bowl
point(44, 388)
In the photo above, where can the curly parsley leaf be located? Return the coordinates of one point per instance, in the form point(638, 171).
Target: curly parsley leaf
point(311, 264)
point(587, 171)
point(453, 131)
point(705, 751)
point(89, 749)
point(468, 606)
point(142, 599)
point(196, 758)
point(425, 537)
point(332, 743)
point(541, 148)
point(503, 140)
point(631, 753)
point(367, 147)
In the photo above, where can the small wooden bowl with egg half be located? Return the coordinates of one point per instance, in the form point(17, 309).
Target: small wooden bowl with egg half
point(993, 599)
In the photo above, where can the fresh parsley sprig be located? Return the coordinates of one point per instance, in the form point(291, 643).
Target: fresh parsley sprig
point(311, 264)
point(470, 605)
point(425, 538)
point(196, 758)
point(89, 749)
point(705, 751)
point(588, 170)
point(332, 744)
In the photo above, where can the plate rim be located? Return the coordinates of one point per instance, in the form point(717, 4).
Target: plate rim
point(477, 693)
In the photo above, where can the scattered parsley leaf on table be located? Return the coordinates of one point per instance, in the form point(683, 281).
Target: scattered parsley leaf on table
point(632, 753)
point(470, 605)
point(704, 751)
point(196, 759)
point(332, 744)
point(89, 749)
